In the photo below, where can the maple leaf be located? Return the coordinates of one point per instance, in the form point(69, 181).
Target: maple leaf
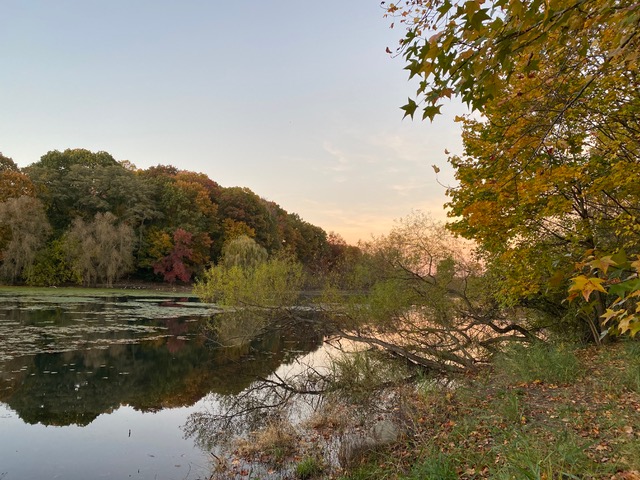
point(586, 286)
point(602, 263)
point(410, 108)
point(609, 314)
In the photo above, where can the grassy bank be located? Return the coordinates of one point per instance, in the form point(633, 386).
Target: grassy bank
point(537, 413)
point(126, 289)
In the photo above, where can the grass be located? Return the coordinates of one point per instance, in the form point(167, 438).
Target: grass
point(134, 291)
point(308, 468)
point(542, 362)
point(544, 412)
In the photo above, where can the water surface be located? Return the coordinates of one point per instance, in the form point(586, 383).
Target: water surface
point(97, 384)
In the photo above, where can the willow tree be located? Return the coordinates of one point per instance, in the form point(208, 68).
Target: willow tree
point(259, 290)
point(100, 251)
point(427, 300)
point(23, 232)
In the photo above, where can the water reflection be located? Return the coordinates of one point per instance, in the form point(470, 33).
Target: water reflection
point(75, 360)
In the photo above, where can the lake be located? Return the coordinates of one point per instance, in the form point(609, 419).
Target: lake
point(99, 384)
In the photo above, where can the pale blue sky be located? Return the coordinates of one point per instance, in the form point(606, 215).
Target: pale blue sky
point(296, 100)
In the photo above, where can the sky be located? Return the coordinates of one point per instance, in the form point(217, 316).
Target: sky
point(296, 100)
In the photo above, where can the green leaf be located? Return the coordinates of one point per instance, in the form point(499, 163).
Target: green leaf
point(444, 8)
point(431, 112)
point(478, 18)
point(620, 258)
point(410, 108)
point(623, 289)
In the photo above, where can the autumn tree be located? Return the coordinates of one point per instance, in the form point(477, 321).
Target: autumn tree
point(233, 229)
point(476, 50)
point(536, 197)
point(7, 163)
point(162, 204)
point(100, 251)
point(186, 253)
point(186, 201)
point(13, 183)
point(548, 172)
point(23, 232)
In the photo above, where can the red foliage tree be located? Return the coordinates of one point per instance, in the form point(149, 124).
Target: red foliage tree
point(174, 267)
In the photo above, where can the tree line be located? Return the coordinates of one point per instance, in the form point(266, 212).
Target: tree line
point(81, 217)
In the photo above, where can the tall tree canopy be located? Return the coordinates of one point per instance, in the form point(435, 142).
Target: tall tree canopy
point(549, 172)
point(477, 49)
point(13, 183)
point(80, 183)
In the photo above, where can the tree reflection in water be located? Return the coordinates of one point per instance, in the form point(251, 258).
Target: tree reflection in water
point(91, 365)
point(275, 395)
point(69, 356)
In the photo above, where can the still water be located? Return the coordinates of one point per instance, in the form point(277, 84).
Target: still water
point(98, 384)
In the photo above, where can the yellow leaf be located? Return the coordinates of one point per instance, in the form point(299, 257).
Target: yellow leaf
point(624, 324)
point(602, 263)
point(609, 314)
point(586, 286)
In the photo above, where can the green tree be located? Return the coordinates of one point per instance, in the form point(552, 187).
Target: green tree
point(243, 205)
point(243, 252)
point(51, 267)
point(79, 183)
point(247, 278)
